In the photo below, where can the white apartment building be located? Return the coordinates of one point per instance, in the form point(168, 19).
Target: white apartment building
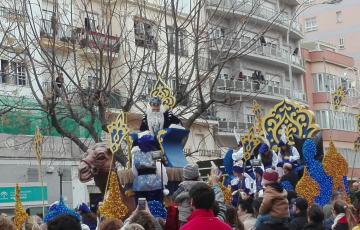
point(133, 44)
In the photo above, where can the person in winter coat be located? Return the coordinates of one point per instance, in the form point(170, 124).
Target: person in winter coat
point(202, 199)
point(315, 218)
point(275, 206)
point(300, 217)
point(245, 214)
point(181, 195)
point(339, 212)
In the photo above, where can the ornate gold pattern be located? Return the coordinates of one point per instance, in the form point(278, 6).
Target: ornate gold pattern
point(227, 193)
point(256, 109)
point(249, 142)
point(165, 93)
point(20, 214)
point(333, 158)
point(357, 118)
point(118, 130)
point(357, 145)
point(113, 206)
point(37, 142)
point(297, 120)
point(307, 188)
point(338, 96)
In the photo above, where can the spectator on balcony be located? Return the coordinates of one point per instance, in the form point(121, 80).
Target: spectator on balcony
point(255, 80)
point(260, 77)
point(241, 76)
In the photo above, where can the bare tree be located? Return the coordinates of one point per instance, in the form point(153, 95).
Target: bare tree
point(86, 59)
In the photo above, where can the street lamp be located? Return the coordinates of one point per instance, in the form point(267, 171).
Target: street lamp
point(296, 14)
point(61, 173)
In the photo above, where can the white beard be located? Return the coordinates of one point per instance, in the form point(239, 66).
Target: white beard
point(155, 121)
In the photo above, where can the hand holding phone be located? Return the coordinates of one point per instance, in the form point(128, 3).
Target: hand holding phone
point(141, 203)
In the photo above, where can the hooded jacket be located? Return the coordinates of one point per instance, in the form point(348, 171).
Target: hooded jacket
point(275, 202)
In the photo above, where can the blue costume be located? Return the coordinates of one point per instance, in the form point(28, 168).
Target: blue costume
point(147, 182)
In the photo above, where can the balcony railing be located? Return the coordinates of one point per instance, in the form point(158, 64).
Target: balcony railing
point(97, 40)
point(230, 126)
point(79, 36)
point(264, 87)
point(255, 9)
point(275, 52)
point(204, 153)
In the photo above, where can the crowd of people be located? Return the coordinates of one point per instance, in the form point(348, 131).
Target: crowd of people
point(200, 205)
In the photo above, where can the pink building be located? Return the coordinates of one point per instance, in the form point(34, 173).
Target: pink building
point(325, 71)
point(338, 24)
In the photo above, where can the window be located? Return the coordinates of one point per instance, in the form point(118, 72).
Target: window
point(18, 72)
point(338, 16)
point(250, 119)
point(341, 43)
point(150, 85)
point(311, 24)
point(92, 82)
point(181, 41)
point(90, 21)
point(144, 34)
point(340, 121)
point(32, 175)
point(4, 71)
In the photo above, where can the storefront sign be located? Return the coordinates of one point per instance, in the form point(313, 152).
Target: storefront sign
point(30, 194)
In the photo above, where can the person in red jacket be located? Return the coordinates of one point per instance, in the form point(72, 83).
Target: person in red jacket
point(202, 199)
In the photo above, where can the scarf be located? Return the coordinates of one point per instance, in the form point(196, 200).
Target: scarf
point(337, 218)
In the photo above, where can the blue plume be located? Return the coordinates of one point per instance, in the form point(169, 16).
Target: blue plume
point(228, 165)
point(317, 172)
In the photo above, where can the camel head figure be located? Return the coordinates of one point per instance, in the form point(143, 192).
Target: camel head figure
point(96, 163)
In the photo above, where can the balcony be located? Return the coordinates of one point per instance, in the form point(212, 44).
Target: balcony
point(75, 37)
point(99, 41)
point(228, 127)
point(259, 12)
point(271, 54)
point(204, 153)
point(265, 90)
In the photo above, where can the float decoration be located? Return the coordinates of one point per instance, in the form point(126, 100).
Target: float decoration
point(20, 214)
point(298, 120)
point(256, 109)
point(307, 188)
point(37, 143)
point(335, 166)
point(164, 92)
point(249, 141)
point(338, 97)
point(118, 130)
point(113, 206)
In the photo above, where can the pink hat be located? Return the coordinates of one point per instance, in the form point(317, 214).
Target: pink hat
point(269, 177)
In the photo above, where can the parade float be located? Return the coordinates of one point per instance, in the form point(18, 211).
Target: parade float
point(287, 122)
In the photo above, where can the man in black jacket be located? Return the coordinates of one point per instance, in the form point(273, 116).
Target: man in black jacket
point(300, 218)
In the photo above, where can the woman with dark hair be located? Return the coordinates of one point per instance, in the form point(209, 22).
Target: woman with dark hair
point(339, 212)
point(245, 214)
point(146, 220)
point(315, 217)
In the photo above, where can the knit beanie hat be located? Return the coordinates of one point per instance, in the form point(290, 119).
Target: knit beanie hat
point(270, 176)
point(191, 172)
